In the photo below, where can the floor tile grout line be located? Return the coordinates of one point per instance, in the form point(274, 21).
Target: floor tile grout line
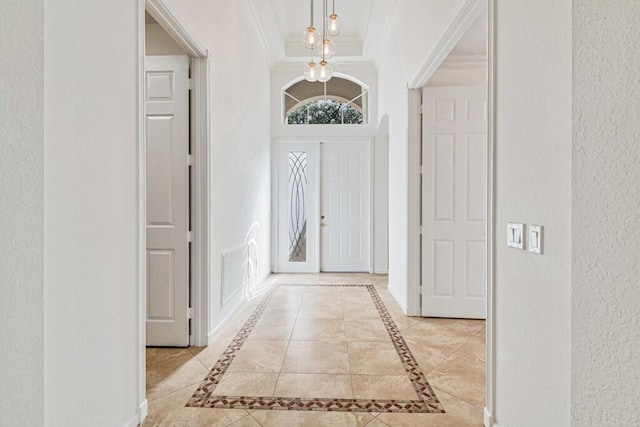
point(475, 405)
point(172, 392)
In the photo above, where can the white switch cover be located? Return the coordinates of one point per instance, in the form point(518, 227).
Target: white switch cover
point(515, 235)
point(535, 239)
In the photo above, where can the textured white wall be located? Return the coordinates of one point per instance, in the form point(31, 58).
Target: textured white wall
point(91, 215)
point(21, 210)
point(240, 136)
point(606, 213)
point(158, 42)
point(533, 186)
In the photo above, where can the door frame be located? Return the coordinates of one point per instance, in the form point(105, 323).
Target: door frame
point(164, 13)
point(464, 17)
point(275, 192)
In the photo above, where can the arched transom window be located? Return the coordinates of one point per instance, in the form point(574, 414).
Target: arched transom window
point(338, 101)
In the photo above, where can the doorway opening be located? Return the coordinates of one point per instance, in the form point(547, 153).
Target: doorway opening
point(173, 184)
point(450, 223)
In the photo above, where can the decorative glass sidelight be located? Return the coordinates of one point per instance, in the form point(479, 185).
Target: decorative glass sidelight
point(297, 202)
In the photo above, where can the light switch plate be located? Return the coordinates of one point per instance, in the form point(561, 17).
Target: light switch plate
point(535, 239)
point(515, 236)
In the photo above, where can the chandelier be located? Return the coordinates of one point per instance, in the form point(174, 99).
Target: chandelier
point(321, 45)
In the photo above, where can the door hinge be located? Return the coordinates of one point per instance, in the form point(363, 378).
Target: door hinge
point(421, 109)
point(189, 313)
point(190, 84)
point(190, 159)
point(421, 170)
point(189, 236)
point(421, 230)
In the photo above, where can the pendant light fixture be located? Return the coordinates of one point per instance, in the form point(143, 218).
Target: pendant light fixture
point(312, 40)
point(310, 37)
point(311, 71)
point(335, 23)
point(326, 70)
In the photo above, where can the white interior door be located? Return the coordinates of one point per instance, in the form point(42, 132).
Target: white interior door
point(454, 161)
point(345, 212)
point(167, 124)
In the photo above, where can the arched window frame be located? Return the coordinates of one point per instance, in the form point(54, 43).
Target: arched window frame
point(364, 110)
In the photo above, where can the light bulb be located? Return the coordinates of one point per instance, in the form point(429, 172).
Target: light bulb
point(310, 38)
point(326, 72)
point(328, 49)
point(334, 26)
point(311, 72)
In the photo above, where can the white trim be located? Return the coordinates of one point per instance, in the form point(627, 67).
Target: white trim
point(275, 197)
point(372, 206)
point(491, 171)
point(488, 419)
point(164, 13)
point(200, 204)
point(463, 19)
point(414, 153)
point(142, 229)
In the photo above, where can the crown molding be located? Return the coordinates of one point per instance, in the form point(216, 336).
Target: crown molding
point(463, 19)
point(259, 30)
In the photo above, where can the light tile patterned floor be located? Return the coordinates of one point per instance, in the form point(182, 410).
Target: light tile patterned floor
point(315, 342)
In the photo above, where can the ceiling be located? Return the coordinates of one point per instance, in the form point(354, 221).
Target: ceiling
point(283, 21)
point(365, 22)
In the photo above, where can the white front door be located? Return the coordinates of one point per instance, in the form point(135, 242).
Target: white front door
point(454, 162)
point(167, 222)
point(345, 212)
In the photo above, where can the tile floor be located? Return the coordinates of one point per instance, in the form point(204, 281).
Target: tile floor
point(318, 342)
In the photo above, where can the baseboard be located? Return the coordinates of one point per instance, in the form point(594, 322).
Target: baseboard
point(381, 271)
point(143, 410)
point(488, 419)
point(403, 307)
point(225, 320)
point(139, 417)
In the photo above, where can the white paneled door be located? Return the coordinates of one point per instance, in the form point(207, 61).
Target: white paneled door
point(345, 207)
point(454, 179)
point(167, 222)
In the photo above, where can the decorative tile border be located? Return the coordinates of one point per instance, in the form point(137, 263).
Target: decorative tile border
point(426, 401)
